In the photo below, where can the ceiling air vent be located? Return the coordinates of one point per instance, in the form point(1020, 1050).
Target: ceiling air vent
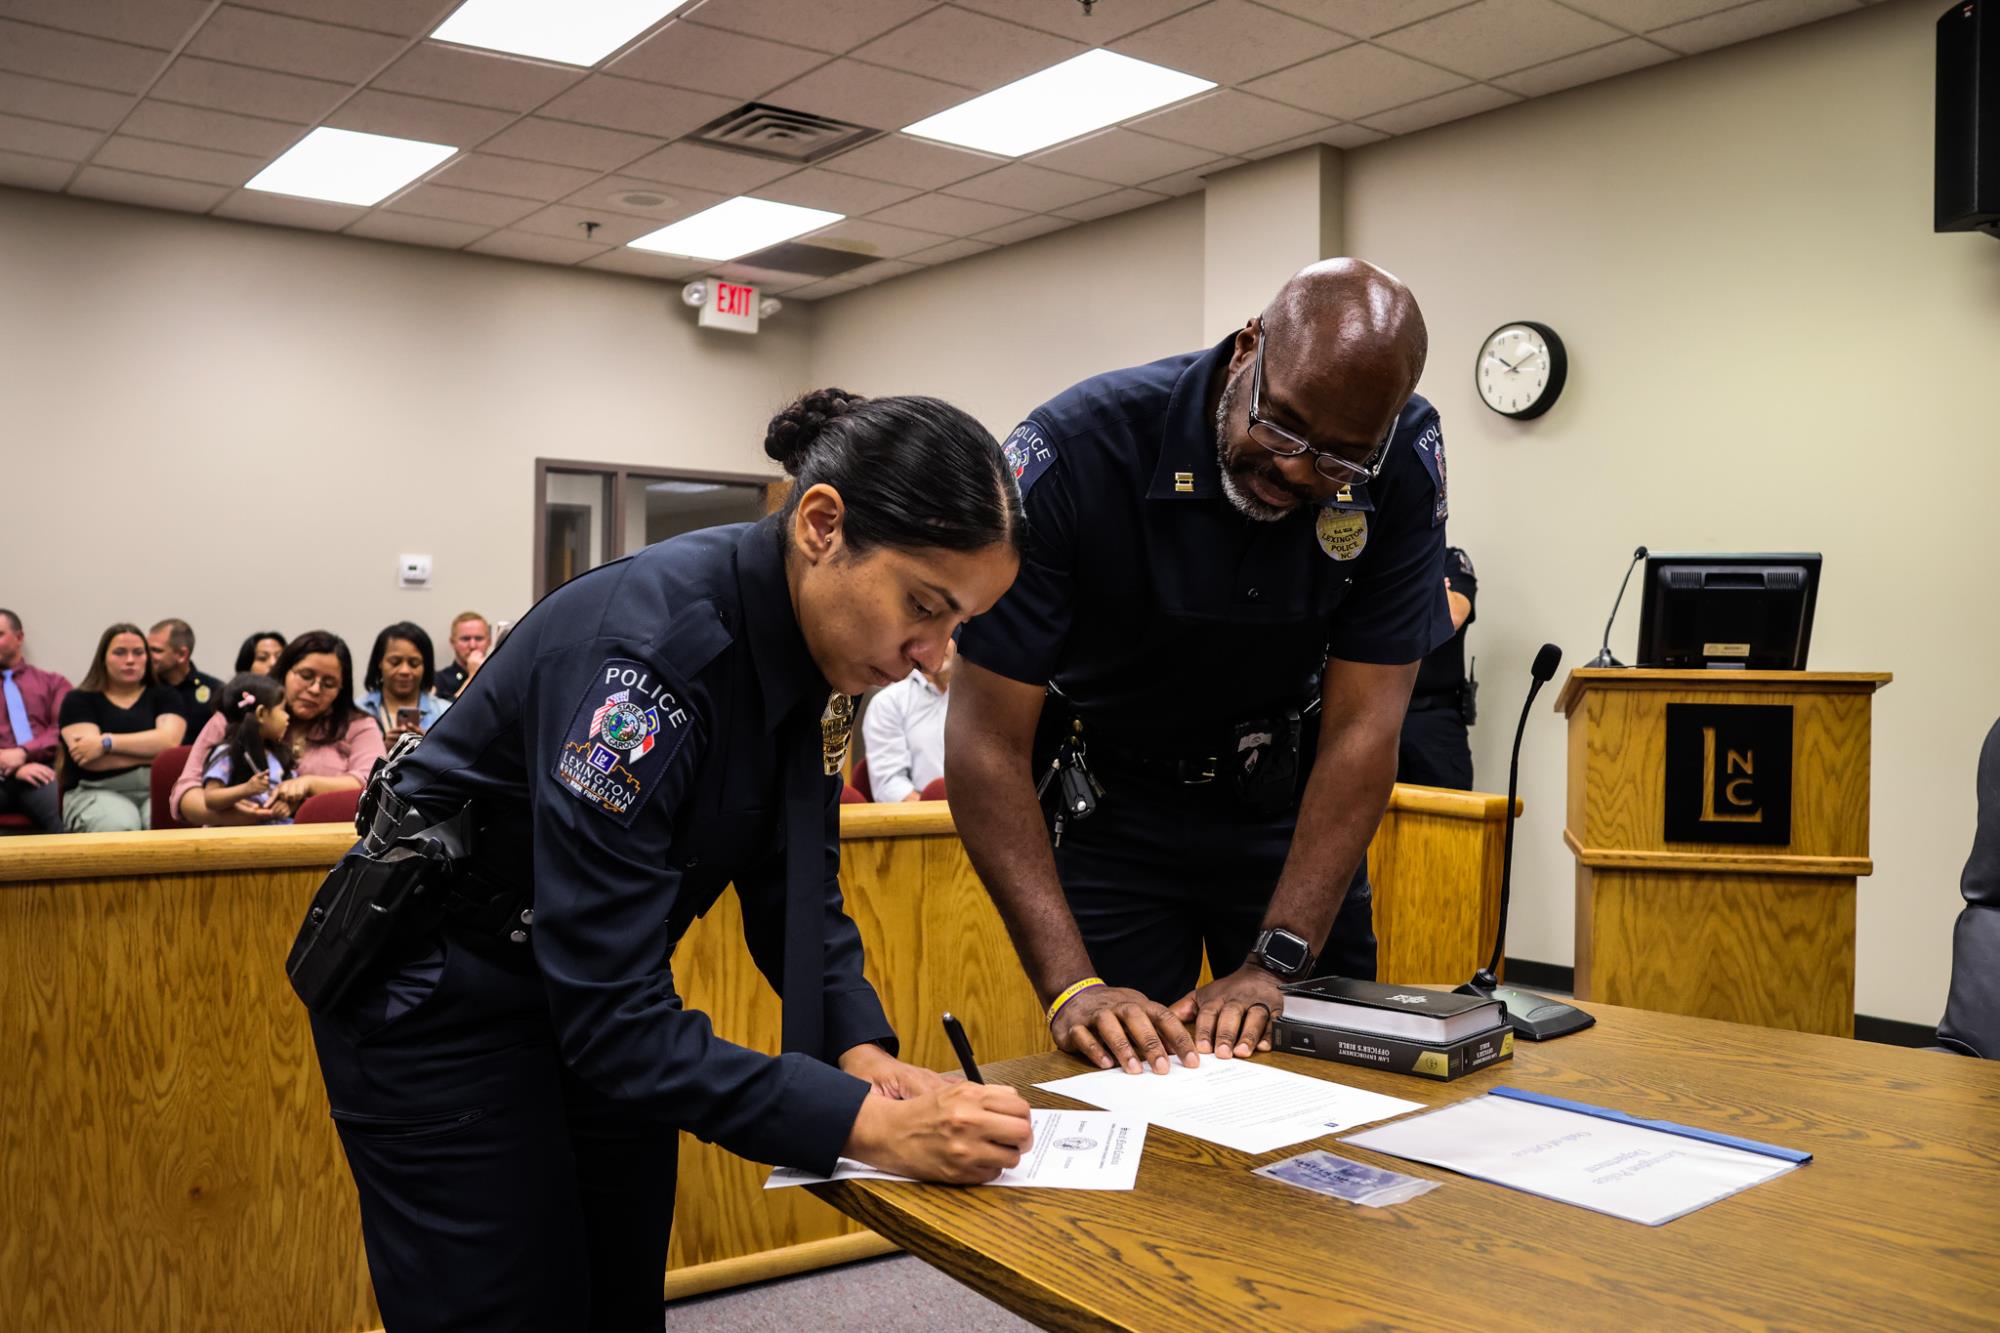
point(788, 136)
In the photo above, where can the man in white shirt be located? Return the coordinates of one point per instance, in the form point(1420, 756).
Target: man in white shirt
point(903, 732)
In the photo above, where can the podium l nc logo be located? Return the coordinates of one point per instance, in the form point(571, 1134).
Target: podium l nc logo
point(1729, 773)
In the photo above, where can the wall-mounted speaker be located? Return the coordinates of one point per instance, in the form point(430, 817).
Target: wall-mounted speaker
point(1968, 117)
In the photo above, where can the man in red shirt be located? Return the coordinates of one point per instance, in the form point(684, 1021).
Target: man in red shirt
point(30, 699)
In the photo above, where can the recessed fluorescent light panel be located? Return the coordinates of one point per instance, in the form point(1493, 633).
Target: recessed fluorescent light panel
point(1082, 94)
point(735, 227)
point(348, 167)
point(573, 32)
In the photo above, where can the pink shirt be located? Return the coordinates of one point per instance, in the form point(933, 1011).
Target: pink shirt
point(353, 755)
point(42, 691)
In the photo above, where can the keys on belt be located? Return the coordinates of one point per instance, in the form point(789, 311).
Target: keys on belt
point(1077, 788)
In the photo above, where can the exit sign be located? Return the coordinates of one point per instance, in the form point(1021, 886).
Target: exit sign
point(729, 305)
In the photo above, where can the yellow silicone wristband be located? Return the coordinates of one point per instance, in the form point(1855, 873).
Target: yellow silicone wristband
point(1071, 994)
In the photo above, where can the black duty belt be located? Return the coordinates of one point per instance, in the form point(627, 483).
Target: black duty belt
point(1188, 770)
point(1424, 703)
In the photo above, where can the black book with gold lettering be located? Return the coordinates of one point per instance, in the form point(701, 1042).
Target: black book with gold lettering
point(1405, 1029)
point(1443, 1061)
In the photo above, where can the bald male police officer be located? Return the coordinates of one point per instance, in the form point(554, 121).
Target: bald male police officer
point(1235, 563)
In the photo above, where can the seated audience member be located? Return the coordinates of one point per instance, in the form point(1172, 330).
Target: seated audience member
point(903, 732)
point(470, 641)
point(171, 642)
point(401, 670)
point(1971, 1023)
point(260, 652)
point(30, 702)
point(245, 771)
point(1435, 749)
point(333, 744)
point(112, 726)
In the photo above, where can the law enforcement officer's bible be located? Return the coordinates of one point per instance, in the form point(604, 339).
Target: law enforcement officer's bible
point(1434, 1034)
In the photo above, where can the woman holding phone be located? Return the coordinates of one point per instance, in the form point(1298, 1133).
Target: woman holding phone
point(402, 668)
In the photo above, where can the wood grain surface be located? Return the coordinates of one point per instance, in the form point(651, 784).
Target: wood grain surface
point(1888, 1227)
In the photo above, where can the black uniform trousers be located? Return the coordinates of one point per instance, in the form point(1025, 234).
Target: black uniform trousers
point(1163, 871)
point(497, 1191)
point(1435, 750)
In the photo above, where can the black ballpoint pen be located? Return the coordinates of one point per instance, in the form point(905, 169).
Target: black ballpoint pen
point(956, 1032)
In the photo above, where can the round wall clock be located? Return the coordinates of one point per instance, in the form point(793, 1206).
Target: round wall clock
point(1521, 369)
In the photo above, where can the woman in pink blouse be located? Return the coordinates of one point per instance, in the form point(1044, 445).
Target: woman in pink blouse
point(334, 744)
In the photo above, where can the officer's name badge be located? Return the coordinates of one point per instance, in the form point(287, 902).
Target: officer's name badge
point(1342, 533)
point(1184, 481)
point(625, 731)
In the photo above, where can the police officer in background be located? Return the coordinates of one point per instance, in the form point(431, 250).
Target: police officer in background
point(1435, 751)
point(1207, 536)
point(510, 1082)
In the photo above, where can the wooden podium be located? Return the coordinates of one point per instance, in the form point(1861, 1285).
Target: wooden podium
point(1719, 821)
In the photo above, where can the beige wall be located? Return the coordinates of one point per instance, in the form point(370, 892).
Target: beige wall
point(245, 425)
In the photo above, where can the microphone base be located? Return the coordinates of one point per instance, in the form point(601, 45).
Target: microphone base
point(1536, 1017)
point(1605, 659)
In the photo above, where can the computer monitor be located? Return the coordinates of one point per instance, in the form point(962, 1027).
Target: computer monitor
point(1746, 612)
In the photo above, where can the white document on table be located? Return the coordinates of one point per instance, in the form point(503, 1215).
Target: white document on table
point(1240, 1104)
point(1073, 1150)
point(1642, 1175)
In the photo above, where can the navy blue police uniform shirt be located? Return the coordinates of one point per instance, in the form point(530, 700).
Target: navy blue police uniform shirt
point(1443, 672)
point(627, 746)
point(1159, 611)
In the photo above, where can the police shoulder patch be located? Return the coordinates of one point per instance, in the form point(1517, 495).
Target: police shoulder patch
point(1028, 453)
point(1463, 561)
point(627, 728)
point(1430, 448)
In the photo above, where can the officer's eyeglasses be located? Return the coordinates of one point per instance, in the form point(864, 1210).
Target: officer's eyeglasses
point(1287, 445)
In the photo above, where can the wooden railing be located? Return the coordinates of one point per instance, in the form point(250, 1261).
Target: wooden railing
point(166, 1158)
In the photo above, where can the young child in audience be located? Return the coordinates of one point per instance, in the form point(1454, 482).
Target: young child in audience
point(253, 760)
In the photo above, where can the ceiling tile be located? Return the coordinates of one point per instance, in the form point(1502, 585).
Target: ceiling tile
point(1500, 36)
point(944, 214)
point(707, 168)
point(1357, 80)
point(404, 18)
point(48, 54)
point(160, 24)
point(379, 225)
point(566, 222)
point(253, 92)
point(1229, 41)
point(711, 60)
point(820, 290)
point(294, 46)
point(69, 103)
point(424, 118)
point(1437, 110)
point(837, 28)
point(206, 128)
point(624, 195)
point(1351, 136)
point(33, 173)
point(441, 201)
point(1642, 15)
point(814, 188)
point(512, 175)
point(1747, 21)
point(949, 251)
point(643, 108)
point(1585, 67)
point(128, 187)
point(45, 138)
point(1365, 18)
point(917, 163)
point(1188, 182)
point(1024, 230)
point(177, 160)
point(1230, 122)
point(284, 211)
point(536, 249)
point(1120, 157)
point(765, 279)
point(1019, 185)
point(876, 272)
point(568, 145)
point(970, 49)
point(432, 69)
point(646, 264)
point(1104, 205)
point(1105, 23)
point(882, 99)
point(864, 237)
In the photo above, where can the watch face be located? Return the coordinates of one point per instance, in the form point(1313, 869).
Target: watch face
point(1286, 952)
point(1519, 373)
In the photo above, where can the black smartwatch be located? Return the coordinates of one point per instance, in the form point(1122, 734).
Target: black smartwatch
point(1283, 954)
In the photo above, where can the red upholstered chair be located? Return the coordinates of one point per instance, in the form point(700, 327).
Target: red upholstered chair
point(167, 766)
point(934, 790)
point(848, 796)
point(22, 824)
point(859, 778)
point(329, 807)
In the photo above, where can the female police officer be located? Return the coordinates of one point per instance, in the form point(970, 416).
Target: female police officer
point(508, 1087)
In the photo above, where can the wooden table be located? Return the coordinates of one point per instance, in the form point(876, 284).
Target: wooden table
point(1891, 1226)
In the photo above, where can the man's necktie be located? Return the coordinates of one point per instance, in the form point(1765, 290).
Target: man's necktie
point(17, 710)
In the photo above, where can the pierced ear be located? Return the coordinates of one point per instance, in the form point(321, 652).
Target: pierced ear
point(816, 522)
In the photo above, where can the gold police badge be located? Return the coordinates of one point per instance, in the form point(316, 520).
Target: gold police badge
point(836, 727)
point(1342, 533)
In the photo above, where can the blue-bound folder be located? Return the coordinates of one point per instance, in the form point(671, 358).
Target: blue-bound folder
point(1663, 1126)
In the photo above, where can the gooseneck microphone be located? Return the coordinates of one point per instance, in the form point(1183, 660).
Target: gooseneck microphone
point(1533, 1016)
point(1604, 657)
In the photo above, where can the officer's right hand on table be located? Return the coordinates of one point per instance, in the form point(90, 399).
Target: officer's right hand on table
point(961, 1134)
point(1114, 1027)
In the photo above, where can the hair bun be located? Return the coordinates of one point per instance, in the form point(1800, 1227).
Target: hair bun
point(793, 430)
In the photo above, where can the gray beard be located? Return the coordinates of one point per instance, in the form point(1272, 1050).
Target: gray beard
point(1239, 499)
